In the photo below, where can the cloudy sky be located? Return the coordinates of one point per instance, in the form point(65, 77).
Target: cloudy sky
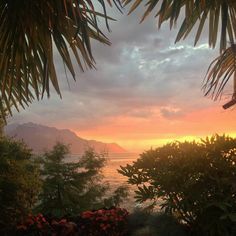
point(145, 91)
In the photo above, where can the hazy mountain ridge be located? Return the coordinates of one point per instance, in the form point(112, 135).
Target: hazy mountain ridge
point(41, 138)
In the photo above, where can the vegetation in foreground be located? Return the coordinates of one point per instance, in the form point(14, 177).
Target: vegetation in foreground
point(49, 185)
point(193, 182)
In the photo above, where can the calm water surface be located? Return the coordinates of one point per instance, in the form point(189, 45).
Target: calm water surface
point(114, 161)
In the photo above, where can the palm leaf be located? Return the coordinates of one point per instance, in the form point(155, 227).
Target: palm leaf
point(220, 72)
point(28, 32)
point(220, 15)
point(195, 12)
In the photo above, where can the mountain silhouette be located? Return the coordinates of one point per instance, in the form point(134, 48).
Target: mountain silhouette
point(40, 138)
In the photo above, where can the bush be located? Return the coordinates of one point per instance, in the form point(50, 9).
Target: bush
point(39, 226)
point(34, 225)
point(195, 182)
point(106, 222)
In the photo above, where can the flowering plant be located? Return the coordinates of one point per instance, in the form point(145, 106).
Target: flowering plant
point(64, 228)
point(34, 225)
point(39, 226)
point(106, 222)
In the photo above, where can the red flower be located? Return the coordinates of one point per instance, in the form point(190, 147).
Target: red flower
point(87, 214)
point(63, 221)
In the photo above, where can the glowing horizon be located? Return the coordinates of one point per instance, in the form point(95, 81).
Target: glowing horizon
point(186, 128)
point(139, 146)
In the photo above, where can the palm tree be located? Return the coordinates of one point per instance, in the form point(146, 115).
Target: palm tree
point(30, 31)
point(220, 15)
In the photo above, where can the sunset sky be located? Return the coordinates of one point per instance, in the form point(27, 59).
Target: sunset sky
point(146, 90)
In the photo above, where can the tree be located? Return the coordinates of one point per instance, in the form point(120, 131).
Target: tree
point(220, 15)
point(30, 33)
point(19, 182)
point(70, 188)
point(194, 182)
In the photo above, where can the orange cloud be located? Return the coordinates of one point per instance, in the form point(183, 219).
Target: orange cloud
point(139, 133)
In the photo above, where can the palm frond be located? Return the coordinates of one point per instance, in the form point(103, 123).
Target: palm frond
point(221, 70)
point(28, 32)
point(214, 15)
point(218, 14)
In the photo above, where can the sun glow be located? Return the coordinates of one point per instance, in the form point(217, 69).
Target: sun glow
point(140, 145)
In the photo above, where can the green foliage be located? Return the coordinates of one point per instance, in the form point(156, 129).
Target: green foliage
point(195, 182)
point(70, 188)
point(19, 182)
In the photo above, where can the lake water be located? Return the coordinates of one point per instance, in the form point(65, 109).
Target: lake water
point(114, 161)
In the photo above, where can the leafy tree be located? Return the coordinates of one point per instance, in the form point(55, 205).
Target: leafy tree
point(19, 182)
point(194, 181)
point(70, 188)
point(218, 17)
point(31, 31)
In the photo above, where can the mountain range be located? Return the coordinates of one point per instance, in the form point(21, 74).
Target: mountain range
point(40, 138)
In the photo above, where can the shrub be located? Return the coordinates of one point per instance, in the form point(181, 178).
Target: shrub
point(39, 226)
point(34, 225)
point(106, 222)
point(195, 182)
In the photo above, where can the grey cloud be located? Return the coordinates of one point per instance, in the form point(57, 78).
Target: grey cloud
point(142, 71)
point(172, 114)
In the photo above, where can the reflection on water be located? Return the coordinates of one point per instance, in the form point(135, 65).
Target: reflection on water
point(115, 179)
point(114, 161)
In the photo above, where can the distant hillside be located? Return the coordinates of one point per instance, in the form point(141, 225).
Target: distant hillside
point(40, 138)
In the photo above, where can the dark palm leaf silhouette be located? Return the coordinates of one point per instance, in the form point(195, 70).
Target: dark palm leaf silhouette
point(219, 16)
point(220, 71)
point(30, 31)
